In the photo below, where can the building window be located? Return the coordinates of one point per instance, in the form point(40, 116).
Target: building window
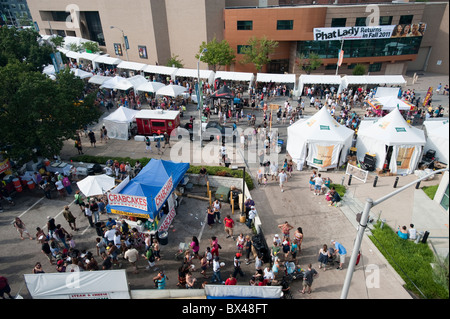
point(338, 22)
point(240, 47)
point(375, 67)
point(245, 25)
point(351, 66)
point(444, 200)
point(360, 22)
point(386, 20)
point(95, 27)
point(59, 16)
point(285, 24)
point(405, 19)
point(331, 67)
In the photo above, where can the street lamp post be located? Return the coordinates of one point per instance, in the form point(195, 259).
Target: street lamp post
point(243, 184)
point(200, 96)
point(123, 36)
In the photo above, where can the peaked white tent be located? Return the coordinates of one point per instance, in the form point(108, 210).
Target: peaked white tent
point(319, 140)
point(81, 73)
point(96, 185)
point(438, 139)
point(150, 87)
point(391, 139)
point(112, 83)
point(118, 122)
point(171, 90)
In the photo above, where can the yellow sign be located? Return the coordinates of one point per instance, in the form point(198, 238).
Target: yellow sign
point(404, 157)
point(118, 212)
point(324, 156)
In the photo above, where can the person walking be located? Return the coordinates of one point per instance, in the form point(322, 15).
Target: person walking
point(318, 181)
point(92, 139)
point(217, 206)
point(308, 278)
point(210, 217)
point(148, 145)
point(285, 228)
point(216, 271)
point(283, 179)
point(229, 224)
point(5, 288)
point(79, 200)
point(88, 214)
point(237, 266)
point(132, 255)
point(160, 280)
point(20, 227)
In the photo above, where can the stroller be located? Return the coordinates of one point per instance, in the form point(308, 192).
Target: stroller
point(293, 271)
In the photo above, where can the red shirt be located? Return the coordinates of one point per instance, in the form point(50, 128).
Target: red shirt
point(231, 281)
point(228, 222)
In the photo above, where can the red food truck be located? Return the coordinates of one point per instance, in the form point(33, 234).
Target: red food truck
point(149, 122)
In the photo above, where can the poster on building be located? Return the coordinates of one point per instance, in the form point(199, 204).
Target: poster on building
point(372, 32)
point(118, 49)
point(142, 51)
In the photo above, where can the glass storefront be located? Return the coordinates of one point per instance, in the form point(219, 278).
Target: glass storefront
point(361, 48)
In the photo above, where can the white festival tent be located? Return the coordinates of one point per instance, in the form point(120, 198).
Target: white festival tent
point(151, 87)
point(397, 80)
point(389, 103)
point(112, 82)
point(194, 73)
point(318, 79)
point(81, 73)
point(171, 90)
point(118, 122)
point(319, 140)
point(101, 284)
point(99, 79)
point(437, 132)
point(391, 134)
point(235, 76)
point(94, 185)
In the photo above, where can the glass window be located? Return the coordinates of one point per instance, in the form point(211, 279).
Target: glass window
point(376, 67)
point(360, 22)
point(245, 25)
point(386, 20)
point(331, 67)
point(406, 19)
point(338, 22)
point(285, 24)
point(444, 200)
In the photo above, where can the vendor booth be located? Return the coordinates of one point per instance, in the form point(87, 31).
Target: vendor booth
point(437, 132)
point(150, 194)
point(396, 144)
point(319, 140)
point(386, 99)
point(118, 123)
point(319, 79)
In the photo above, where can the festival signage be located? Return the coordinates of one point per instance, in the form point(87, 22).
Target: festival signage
point(163, 193)
point(428, 96)
point(164, 225)
point(371, 32)
point(139, 202)
point(5, 166)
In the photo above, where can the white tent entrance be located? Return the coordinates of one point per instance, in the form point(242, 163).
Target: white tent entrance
point(393, 141)
point(319, 141)
point(118, 123)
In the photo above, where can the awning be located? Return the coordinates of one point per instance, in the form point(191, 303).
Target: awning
point(73, 55)
point(107, 60)
point(320, 79)
point(193, 73)
point(99, 79)
point(275, 78)
point(374, 79)
point(235, 76)
point(131, 66)
point(159, 69)
point(89, 56)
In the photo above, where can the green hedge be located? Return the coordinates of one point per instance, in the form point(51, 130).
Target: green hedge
point(411, 261)
point(212, 170)
point(339, 188)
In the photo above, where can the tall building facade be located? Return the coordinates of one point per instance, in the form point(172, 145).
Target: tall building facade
point(155, 30)
point(14, 13)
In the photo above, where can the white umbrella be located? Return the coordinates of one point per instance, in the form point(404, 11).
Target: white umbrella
point(150, 87)
point(96, 184)
point(171, 90)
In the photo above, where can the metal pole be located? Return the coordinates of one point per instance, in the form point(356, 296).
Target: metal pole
point(125, 45)
point(356, 248)
point(200, 96)
point(243, 189)
point(363, 224)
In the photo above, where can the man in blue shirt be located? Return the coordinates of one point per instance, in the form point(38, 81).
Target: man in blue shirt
point(341, 251)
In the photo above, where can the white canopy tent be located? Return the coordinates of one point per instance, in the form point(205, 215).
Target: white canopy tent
point(151, 87)
point(171, 90)
point(99, 79)
point(118, 122)
point(235, 76)
point(135, 66)
point(73, 55)
point(69, 40)
point(315, 79)
point(137, 81)
point(276, 78)
point(193, 73)
point(159, 69)
point(94, 185)
point(319, 140)
point(378, 80)
point(391, 134)
point(49, 70)
point(105, 59)
point(386, 91)
point(102, 284)
point(437, 132)
point(112, 82)
point(81, 73)
point(389, 103)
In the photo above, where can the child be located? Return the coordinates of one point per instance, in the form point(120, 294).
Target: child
point(265, 180)
point(208, 255)
point(311, 183)
point(204, 265)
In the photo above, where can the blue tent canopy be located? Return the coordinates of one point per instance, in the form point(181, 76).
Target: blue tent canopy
point(149, 182)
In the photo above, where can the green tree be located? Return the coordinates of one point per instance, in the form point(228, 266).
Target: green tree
point(359, 69)
point(175, 62)
point(21, 45)
point(257, 51)
point(58, 41)
point(308, 64)
point(39, 114)
point(217, 54)
point(90, 46)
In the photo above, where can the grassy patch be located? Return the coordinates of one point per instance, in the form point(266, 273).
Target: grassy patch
point(430, 190)
point(411, 261)
point(339, 188)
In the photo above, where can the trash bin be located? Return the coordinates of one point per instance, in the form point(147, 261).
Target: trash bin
point(98, 229)
point(425, 237)
point(163, 237)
